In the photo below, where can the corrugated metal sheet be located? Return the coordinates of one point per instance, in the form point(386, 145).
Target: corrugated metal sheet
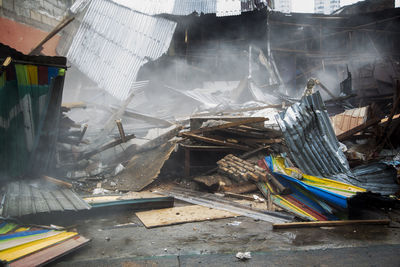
point(113, 42)
point(375, 177)
point(310, 137)
point(314, 147)
point(22, 198)
point(186, 7)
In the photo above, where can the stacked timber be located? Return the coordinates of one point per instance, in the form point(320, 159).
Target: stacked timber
point(240, 170)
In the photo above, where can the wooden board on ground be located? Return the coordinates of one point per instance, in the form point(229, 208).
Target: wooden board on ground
point(127, 196)
point(178, 215)
point(329, 223)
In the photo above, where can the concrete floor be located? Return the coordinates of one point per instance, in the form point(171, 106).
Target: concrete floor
point(214, 243)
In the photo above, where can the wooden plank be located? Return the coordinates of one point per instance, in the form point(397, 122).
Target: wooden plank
point(238, 196)
point(70, 105)
point(178, 215)
point(152, 202)
point(57, 181)
point(217, 142)
point(26, 249)
point(61, 25)
point(228, 125)
point(128, 196)
point(106, 146)
point(359, 128)
point(328, 223)
point(51, 253)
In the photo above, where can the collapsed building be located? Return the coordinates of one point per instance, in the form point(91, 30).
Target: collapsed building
point(220, 96)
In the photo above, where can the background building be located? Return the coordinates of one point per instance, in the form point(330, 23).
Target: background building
point(326, 6)
point(284, 6)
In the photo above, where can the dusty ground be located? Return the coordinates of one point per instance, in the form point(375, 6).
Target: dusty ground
point(214, 243)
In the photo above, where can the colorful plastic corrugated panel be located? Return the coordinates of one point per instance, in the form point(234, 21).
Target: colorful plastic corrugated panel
point(24, 99)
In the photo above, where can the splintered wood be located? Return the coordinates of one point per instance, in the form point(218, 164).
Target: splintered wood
point(178, 215)
point(240, 170)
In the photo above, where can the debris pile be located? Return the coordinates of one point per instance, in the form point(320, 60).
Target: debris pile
point(181, 106)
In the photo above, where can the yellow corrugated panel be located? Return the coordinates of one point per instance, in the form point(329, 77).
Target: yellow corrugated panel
point(22, 229)
point(26, 249)
point(32, 74)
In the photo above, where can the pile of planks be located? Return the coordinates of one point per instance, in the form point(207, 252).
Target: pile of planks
point(240, 170)
point(244, 134)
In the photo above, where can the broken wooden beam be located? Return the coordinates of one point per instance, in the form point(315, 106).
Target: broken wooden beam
point(85, 126)
point(38, 48)
point(240, 188)
point(329, 223)
point(121, 130)
point(228, 125)
point(57, 181)
point(346, 135)
point(277, 185)
point(216, 142)
point(364, 126)
point(70, 105)
point(106, 146)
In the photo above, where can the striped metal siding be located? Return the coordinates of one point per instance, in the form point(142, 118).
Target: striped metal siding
point(187, 7)
point(113, 42)
point(21, 198)
point(310, 138)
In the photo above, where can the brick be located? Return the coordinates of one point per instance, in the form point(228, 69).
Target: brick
point(49, 21)
point(58, 12)
point(8, 4)
point(48, 7)
point(20, 11)
point(36, 16)
point(63, 4)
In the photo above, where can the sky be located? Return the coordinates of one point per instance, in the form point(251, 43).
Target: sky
point(307, 6)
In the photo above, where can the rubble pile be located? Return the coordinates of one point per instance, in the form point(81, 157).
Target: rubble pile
point(202, 107)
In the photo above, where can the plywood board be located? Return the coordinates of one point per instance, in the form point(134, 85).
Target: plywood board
point(177, 215)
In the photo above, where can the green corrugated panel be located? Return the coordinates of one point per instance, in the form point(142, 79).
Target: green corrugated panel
point(23, 110)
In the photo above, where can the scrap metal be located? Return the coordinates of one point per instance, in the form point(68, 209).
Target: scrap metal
point(113, 42)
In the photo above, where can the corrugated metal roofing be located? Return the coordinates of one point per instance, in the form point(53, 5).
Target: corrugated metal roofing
point(22, 198)
point(113, 42)
point(315, 149)
point(310, 138)
point(376, 177)
point(186, 7)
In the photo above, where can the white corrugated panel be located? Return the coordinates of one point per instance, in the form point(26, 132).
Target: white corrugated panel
point(185, 7)
point(229, 8)
point(113, 42)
